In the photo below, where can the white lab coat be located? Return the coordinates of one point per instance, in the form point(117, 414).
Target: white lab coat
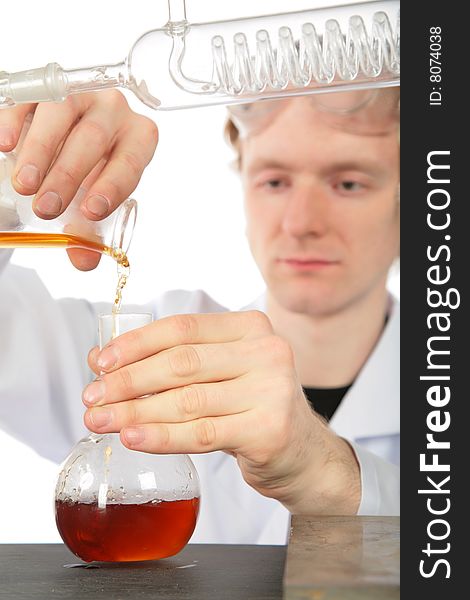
point(43, 349)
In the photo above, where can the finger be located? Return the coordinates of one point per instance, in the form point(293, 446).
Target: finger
point(11, 124)
point(86, 260)
point(39, 148)
point(204, 435)
point(92, 359)
point(180, 405)
point(177, 367)
point(83, 260)
point(88, 142)
point(132, 152)
point(179, 330)
point(94, 174)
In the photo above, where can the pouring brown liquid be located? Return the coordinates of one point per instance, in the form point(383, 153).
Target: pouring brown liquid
point(117, 532)
point(21, 239)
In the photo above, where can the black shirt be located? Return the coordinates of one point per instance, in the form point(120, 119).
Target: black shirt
point(325, 401)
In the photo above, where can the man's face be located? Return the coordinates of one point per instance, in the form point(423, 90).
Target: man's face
point(322, 207)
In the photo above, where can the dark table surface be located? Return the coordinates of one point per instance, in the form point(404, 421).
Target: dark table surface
point(198, 572)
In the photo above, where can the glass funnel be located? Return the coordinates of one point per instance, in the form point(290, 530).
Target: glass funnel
point(185, 64)
point(21, 227)
point(116, 504)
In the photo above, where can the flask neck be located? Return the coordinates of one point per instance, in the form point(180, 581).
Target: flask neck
point(52, 83)
point(176, 11)
point(94, 78)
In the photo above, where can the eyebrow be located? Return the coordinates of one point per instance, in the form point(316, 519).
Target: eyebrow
point(371, 167)
point(266, 163)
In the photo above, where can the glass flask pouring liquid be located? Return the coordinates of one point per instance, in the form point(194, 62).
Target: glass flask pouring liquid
point(232, 62)
point(116, 504)
point(21, 227)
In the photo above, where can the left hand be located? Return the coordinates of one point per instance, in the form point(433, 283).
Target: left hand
point(93, 142)
point(199, 383)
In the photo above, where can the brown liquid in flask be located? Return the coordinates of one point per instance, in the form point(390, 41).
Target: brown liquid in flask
point(126, 532)
point(21, 239)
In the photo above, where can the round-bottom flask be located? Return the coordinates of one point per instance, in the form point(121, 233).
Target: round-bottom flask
point(116, 504)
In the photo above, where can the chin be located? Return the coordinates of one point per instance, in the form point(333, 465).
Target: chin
point(299, 301)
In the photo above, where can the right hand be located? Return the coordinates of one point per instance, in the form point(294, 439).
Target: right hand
point(223, 381)
point(93, 141)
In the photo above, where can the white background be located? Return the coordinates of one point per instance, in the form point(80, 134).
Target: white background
point(190, 225)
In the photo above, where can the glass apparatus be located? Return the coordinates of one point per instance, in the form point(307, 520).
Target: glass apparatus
point(116, 504)
point(185, 64)
point(20, 227)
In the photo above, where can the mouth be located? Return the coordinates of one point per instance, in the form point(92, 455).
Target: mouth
point(306, 264)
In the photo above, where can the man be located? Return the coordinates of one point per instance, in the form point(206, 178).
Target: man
point(321, 196)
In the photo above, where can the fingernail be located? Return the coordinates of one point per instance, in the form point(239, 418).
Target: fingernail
point(108, 357)
point(29, 176)
point(49, 204)
point(100, 417)
point(7, 136)
point(97, 205)
point(94, 392)
point(133, 435)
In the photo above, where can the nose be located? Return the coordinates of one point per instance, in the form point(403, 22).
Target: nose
point(306, 212)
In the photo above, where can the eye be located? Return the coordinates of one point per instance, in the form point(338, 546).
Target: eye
point(350, 186)
point(274, 184)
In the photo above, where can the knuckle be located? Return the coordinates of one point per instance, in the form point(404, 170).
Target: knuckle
point(130, 163)
point(125, 381)
point(149, 131)
point(186, 327)
point(92, 354)
point(68, 111)
point(111, 189)
point(70, 108)
point(114, 100)
point(93, 132)
point(134, 342)
point(70, 173)
point(280, 350)
point(15, 115)
point(205, 433)
point(184, 361)
point(91, 359)
point(164, 437)
point(132, 412)
point(191, 401)
point(258, 321)
point(47, 146)
point(152, 132)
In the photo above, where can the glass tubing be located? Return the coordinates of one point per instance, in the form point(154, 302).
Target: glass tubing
point(240, 60)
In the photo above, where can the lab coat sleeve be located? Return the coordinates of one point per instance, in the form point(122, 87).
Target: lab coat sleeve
point(5, 255)
point(380, 482)
point(43, 349)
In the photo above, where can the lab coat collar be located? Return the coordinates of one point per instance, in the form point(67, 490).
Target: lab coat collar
point(372, 405)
